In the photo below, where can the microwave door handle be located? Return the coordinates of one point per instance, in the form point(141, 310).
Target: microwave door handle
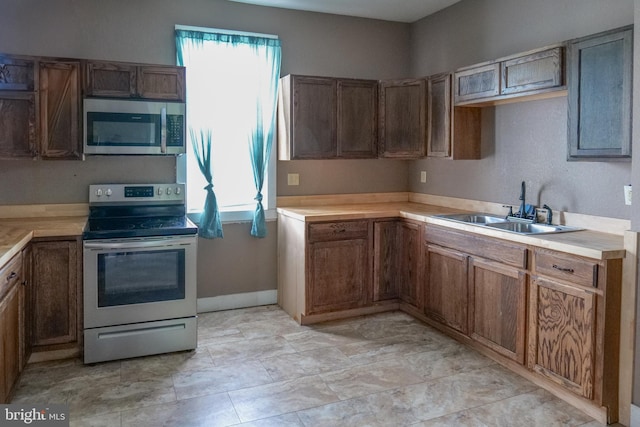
point(163, 130)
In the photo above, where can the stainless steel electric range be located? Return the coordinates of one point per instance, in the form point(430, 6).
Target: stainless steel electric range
point(139, 272)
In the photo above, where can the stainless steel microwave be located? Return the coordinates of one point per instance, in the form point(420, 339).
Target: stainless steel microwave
point(115, 126)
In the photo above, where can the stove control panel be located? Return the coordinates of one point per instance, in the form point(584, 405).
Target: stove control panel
point(136, 193)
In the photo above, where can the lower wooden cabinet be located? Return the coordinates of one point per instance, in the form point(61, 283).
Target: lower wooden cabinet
point(12, 316)
point(55, 299)
point(497, 307)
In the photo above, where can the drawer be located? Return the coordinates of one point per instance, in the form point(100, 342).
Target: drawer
point(341, 230)
point(485, 247)
point(567, 267)
point(10, 274)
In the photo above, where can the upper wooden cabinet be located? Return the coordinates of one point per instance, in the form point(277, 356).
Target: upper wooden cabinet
point(60, 111)
point(600, 84)
point(17, 73)
point(326, 118)
point(127, 80)
point(534, 74)
point(402, 119)
point(451, 131)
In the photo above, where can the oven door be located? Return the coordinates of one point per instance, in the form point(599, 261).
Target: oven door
point(139, 280)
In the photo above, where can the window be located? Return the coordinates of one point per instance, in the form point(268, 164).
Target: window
point(226, 72)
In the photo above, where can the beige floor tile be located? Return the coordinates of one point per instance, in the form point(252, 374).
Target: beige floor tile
point(281, 398)
point(104, 420)
point(286, 420)
point(305, 363)
point(165, 365)
point(253, 349)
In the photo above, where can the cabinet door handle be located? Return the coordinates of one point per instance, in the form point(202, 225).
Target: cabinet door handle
point(566, 270)
point(13, 275)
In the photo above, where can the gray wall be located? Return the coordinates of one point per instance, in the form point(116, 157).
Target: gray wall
point(523, 141)
point(142, 31)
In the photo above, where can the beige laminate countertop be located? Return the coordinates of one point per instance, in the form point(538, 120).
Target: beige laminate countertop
point(588, 243)
point(16, 233)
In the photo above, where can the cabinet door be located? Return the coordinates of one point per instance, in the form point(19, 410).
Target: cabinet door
point(111, 79)
point(10, 324)
point(16, 73)
point(156, 82)
point(402, 119)
point(478, 82)
point(439, 116)
point(56, 267)
point(600, 74)
point(497, 307)
point(60, 110)
point(338, 275)
point(536, 71)
point(562, 334)
point(446, 291)
point(386, 244)
point(18, 131)
point(409, 263)
point(314, 118)
point(357, 119)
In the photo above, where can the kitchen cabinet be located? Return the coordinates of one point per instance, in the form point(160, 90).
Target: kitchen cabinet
point(534, 74)
point(477, 286)
point(397, 261)
point(327, 118)
point(55, 301)
point(18, 110)
point(452, 132)
point(402, 119)
point(339, 269)
point(446, 295)
point(574, 324)
point(60, 110)
point(11, 325)
point(600, 85)
point(498, 307)
point(130, 80)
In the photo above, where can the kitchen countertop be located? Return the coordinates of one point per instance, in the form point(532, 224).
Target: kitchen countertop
point(587, 243)
point(16, 233)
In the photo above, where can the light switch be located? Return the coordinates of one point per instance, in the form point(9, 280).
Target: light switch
point(423, 176)
point(293, 179)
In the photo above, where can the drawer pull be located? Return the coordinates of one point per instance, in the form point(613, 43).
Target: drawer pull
point(13, 275)
point(566, 270)
point(341, 230)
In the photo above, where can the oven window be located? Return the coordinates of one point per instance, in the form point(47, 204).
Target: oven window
point(140, 277)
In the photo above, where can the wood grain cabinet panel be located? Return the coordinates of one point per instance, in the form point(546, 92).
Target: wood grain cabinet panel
point(600, 84)
point(446, 296)
point(402, 118)
point(477, 82)
point(60, 111)
point(55, 288)
point(18, 127)
point(497, 307)
point(562, 340)
point(533, 72)
point(17, 73)
point(111, 79)
point(161, 82)
point(12, 314)
point(357, 118)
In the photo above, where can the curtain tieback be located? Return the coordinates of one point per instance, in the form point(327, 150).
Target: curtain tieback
point(258, 197)
point(209, 187)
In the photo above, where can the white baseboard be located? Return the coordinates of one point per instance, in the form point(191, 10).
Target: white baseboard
point(229, 302)
point(635, 416)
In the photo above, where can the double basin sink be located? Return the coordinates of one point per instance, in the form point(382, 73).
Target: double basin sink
point(510, 224)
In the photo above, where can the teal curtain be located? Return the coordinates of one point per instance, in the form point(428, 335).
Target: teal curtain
point(253, 109)
point(261, 140)
point(210, 226)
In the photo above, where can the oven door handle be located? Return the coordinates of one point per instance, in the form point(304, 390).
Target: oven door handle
point(133, 245)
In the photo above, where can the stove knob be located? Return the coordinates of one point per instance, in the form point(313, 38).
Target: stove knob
point(178, 191)
point(108, 192)
point(168, 190)
point(159, 191)
point(99, 192)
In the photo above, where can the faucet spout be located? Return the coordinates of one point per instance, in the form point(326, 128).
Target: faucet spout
point(521, 212)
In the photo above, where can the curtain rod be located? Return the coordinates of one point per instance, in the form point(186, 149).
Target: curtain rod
point(230, 32)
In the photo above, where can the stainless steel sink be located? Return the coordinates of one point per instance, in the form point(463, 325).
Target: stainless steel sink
point(475, 218)
point(507, 224)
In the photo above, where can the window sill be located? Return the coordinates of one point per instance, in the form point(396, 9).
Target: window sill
point(235, 217)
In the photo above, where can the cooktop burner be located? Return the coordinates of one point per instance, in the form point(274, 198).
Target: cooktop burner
point(142, 210)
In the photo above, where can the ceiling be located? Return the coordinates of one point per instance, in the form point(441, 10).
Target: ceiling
point(388, 10)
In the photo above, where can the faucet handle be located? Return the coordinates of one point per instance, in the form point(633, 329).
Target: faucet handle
point(510, 210)
point(549, 213)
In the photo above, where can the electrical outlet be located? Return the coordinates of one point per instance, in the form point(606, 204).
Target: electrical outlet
point(293, 179)
point(423, 176)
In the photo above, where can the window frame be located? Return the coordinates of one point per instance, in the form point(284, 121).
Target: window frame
point(269, 187)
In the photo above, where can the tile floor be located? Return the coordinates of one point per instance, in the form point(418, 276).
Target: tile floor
point(257, 367)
